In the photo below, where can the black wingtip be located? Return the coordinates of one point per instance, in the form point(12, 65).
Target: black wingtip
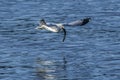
point(85, 21)
point(64, 34)
point(42, 22)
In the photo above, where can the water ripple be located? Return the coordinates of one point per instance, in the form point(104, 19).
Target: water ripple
point(90, 52)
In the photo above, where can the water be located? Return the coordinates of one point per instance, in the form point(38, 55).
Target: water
point(91, 52)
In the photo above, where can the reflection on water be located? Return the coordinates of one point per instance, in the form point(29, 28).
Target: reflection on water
point(51, 70)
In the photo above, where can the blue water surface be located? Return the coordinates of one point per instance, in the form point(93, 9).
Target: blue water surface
point(90, 52)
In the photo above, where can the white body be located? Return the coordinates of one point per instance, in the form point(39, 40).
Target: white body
point(56, 28)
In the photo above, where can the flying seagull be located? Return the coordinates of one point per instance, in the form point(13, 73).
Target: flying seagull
point(53, 28)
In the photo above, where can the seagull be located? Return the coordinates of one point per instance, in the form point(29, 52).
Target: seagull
point(55, 28)
point(74, 23)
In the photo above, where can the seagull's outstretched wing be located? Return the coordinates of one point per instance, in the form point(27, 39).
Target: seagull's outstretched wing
point(64, 34)
point(79, 22)
point(73, 23)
